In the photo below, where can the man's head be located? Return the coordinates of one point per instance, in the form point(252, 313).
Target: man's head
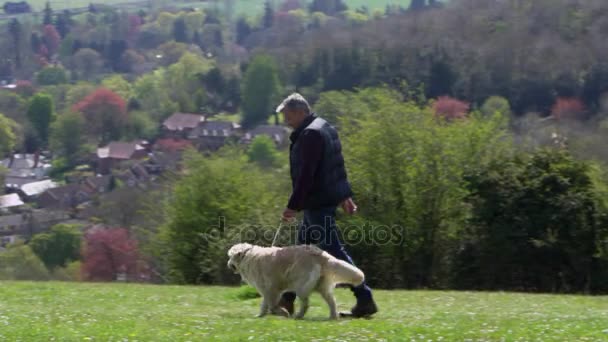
point(295, 109)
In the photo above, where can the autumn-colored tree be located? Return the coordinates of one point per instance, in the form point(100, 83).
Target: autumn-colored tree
point(105, 114)
point(450, 108)
point(25, 88)
point(567, 108)
point(110, 254)
point(52, 39)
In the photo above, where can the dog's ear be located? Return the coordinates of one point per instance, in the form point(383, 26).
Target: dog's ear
point(237, 252)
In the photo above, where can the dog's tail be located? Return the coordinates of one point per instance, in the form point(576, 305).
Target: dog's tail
point(344, 273)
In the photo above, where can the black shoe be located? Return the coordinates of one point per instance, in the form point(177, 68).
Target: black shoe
point(363, 309)
point(287, 305)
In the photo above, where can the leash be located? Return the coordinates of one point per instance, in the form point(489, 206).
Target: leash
point(276, 235)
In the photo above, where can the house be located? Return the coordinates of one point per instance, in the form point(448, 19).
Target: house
point(212, 135)
point(179, 125)
point(23, 169)
point(10, 202)
point(65, 197)
point(136, 175)
point(112, 155)
point(30, 191)
point(29, 223)
point(72, 195)
point(278, 134)
point(97, 185)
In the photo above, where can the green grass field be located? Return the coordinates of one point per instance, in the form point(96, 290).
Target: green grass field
point(117, 312)
point(38, 5)
point(241, 7)
point(249, 7)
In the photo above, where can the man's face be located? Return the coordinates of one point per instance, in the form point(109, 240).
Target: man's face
point(292, 118)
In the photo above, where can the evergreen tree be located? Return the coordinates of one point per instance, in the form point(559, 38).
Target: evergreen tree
point(268, 19)
point(243, 30)
point(15, 30)
point(180, 30)
point(40, 115)
point(48, 14)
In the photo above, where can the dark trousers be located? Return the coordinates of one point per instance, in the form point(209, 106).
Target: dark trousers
point(319, 228)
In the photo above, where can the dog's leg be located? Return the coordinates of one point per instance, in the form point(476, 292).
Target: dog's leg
point(303, 306)
point(263, 307)
point(327, 293)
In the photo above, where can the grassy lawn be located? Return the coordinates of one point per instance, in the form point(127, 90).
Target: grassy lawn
point(116, 312)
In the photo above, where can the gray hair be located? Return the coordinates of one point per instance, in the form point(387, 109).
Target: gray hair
point(294, 101)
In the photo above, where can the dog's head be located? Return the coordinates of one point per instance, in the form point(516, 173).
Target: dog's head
point(236, 254)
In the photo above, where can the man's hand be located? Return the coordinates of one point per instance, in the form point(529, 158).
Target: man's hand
point(289, 215)
point(349, 206)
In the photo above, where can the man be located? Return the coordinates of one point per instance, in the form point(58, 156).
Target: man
point(319, 185)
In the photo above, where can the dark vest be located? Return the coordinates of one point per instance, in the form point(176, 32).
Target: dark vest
point(330, 185)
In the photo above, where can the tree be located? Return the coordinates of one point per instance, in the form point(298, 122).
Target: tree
point(131, 59)
point(537, 224)
point(261, 87)
point(109, 254)
point(58, 247)
point(182, 81)
point(416, 5)
point(40, 113)
point(568, 108)
point(243, 30)
point(15, 30)
point(119, 85)
point(48, 14)
point(409, 166)
point(114, 52)
point(51, 75)
point(329, 7)
point(7, 136)
point(496, 104)
point(87, 62)
point(263, 151)
point(52, 39)
point(20, 263)
point(450, 108)
point(200, 225)
point(180, 31)
point(105, 114)
point(63, 23)
point(268, 18)
point(67, 139)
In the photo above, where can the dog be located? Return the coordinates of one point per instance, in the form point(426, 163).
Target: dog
point(301, 269)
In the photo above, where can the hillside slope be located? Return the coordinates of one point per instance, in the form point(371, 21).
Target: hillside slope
point(117, 312)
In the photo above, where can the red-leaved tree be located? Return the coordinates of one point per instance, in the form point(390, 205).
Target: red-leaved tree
point(567, 108)
point(105, 114)
point(450, 108)
point(52, 39)
point(111, 254)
